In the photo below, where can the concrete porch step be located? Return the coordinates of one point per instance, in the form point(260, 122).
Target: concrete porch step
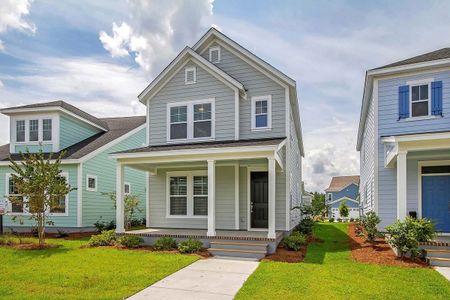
point(238, 253)
point(258, 246)
point(439, 253)
point(439, 261)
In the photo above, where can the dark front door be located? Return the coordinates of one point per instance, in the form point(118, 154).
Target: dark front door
point(259, 196)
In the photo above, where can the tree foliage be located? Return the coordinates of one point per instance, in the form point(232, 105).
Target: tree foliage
point(343, 209)
point(318, 204)
point(131, 206)
point(39, 183)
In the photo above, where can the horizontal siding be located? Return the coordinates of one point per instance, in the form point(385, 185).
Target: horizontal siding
point(256, 84)
point(34, 148)
point(295, 168)
point(96, 205)
point(73, 131)
point(207, 86)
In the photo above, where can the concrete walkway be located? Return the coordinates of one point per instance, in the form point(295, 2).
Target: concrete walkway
point(445, 271)
point(212, 278)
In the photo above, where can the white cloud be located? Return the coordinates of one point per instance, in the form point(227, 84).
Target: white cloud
point(12, 13)
point(157, 30)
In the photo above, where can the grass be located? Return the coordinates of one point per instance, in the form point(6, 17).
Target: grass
point(329, 273)
point(71, 272)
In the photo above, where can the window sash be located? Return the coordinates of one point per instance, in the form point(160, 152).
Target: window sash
point(197, 124)
point(420, 95)
point(33, 135)
point(188, 198)
point(47, 129)
point(20, 131)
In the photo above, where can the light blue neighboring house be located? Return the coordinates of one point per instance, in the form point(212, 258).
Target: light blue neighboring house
point(224, 149)
point(343, 189)
point(404, 140)
point(87, 141)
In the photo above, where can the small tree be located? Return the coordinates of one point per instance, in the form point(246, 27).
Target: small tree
point(318, 205)
point(40, 185)
point(370, 222)
point(343, 209)
point(131, 206)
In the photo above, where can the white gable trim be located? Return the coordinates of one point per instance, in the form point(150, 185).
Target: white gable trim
point(343, 198)
point(168, 71)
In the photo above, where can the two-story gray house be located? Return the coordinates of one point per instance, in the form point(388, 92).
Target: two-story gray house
point(224, 149)
point(404, 140)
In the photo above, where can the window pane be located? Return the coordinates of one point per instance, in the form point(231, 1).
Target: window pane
point(178, 185)
point(420, 109)
point(415, 93)
point(202, 129)
point(200, 185)
point(91, 183)
point(261, 121)
point(47, 129)
point(424, 92)
point(261, 107)
point(178, 205)
point(34, 130)
point(60, 208)
point(202, 111)
point(126, 189)
point(12, 188)
point(200, 206)
point(178, 131)
point(17, 206)
point(178, 114)
point(20, 131)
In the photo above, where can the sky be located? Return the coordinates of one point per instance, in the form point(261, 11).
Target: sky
point(99, 55)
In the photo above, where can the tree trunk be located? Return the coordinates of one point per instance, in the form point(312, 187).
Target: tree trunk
point(41, 228)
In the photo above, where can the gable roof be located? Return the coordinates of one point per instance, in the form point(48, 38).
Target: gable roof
point(434, 55)
point(117, 127)
point(179, 61)
point(338, 183)
point(58, 105)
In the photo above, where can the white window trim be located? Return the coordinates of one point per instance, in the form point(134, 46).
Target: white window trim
point(25, 212)
point(129, 188)
point(269, 112)
point(190, 120)
point(412, 84)
point(214, 48)
point(88, 176)
point(189, 69)
point(190, 193)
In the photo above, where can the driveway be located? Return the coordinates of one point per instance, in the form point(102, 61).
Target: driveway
point(204, 279)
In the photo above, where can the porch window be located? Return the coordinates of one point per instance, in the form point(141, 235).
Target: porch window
point(20, 131)
point(34, 130)
point(17, 206)
point(420, 100)
point(261, 112)
point(178, 195)
point(200, 195)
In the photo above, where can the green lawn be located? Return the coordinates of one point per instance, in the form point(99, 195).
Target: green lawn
point(329, 273)
point(71, 272)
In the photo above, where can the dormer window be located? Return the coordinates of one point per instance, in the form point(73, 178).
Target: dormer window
point(47, 129)
point(214, 54)
point(34, 131)
point(190, 75)
point(20, 131)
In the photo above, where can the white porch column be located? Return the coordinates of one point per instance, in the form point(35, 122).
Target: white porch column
point(120, 219)
point(272, 178)
point(211, 198)
point(401, 184)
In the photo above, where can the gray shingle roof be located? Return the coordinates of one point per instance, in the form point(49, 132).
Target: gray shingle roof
point(214, 144)
point(430, 56)
point(117, 128)
point(67, 107)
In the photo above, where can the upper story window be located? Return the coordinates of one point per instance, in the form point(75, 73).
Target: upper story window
point(214, 54)
point(191, 120)
point(190, 75)
point(330, 197)
point(261, 112)
point(20, 131)
point(47, 129)
point(420, 100)
point(34, 130)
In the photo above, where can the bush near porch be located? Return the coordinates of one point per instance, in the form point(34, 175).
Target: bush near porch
point(75, 272)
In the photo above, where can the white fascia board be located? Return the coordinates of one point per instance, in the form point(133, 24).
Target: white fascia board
point(10, 111)
point(298, 124)
point(211, 68)
point(343, 198)
point(416, 137)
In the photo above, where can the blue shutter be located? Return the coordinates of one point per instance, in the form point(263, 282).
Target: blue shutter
point(403, 102)
point(436, 98)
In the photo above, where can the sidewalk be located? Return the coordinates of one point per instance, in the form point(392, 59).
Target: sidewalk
point(445, 271)
point(204, 279)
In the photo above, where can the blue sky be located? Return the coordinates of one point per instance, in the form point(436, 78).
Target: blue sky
point(99, 55)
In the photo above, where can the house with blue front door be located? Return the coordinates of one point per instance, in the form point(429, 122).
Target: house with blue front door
point(404, 140)
point(224, 150)
point(56, 127)
point(343, 189)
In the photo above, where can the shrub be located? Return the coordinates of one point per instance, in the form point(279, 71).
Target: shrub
point(352, 220)
point(406, 235)
point(294, 241)
point(305, 226)
point(339, 220)
point(106, 238)
point(331, 220)
point(343, 209)
point(130, 241)
point(61, 234)
point(190, 246)
point(165, 243)
point(370, 222)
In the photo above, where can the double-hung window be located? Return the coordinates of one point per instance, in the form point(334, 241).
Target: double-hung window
point(420, 100)
point(33, 130)
point(47, 129)
point(261, 112)
point(191, 120)
point(17, 204)
point(60, 205)
point(187, 194)
point(20, 131)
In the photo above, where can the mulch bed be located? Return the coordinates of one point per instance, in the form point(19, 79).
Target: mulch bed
point(379, 252)
point(284, 255)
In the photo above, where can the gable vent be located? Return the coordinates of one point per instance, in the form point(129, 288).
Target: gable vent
point(214, 54)
point(190, 75)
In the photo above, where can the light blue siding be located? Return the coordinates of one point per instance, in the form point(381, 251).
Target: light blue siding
point(33, 148)
point(73, 131)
